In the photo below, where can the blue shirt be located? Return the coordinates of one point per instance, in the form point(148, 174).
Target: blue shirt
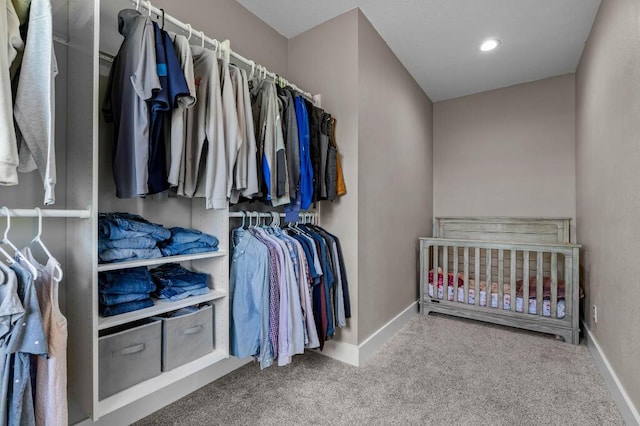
point(306, 169)
point(249, 292)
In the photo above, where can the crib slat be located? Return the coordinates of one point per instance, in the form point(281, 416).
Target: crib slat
point(466, 275)
point(445, 271)
point(455, 273)
point(488, 277)
point(436, 276)
point(501, 278)
point(477, 276)
point(512, 278)
point(539, 279)
point(525, 284)
point(554, 285)
point(568, 286)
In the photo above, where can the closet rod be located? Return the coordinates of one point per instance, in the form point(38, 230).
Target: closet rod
point(81, 214)
point(216, 43)
point(267, 214)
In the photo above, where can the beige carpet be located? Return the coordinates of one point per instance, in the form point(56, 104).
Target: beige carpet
point(437, 370)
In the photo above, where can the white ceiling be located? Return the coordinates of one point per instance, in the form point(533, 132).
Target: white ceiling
point(438, 40)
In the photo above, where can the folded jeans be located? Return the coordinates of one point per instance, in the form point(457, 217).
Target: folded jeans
point(107, 299)
point(122, 308)
point(116, 226)
point(126, 281)
point(176, 293)
point(142, 242)
point(187, 248)
point(124, 254)
point(183, 235)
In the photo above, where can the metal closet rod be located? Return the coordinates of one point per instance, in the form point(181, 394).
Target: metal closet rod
point(267, 214)
point(217, 44)
point(81, 214)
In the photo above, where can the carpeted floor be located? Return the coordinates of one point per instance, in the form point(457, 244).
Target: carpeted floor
point(437, 370)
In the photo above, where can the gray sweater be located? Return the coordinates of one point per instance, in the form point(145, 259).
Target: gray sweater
point(34, 108)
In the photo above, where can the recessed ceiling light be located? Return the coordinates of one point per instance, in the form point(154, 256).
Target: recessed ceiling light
point(490, 45)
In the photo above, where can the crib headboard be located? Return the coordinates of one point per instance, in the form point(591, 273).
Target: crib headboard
point(503, 229)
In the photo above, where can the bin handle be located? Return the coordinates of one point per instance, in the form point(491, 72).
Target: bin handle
point(192, 330)
point(129, 351)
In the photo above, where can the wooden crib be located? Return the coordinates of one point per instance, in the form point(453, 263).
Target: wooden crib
point(519, 272)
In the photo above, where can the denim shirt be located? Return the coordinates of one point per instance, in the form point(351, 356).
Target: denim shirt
point(28, 338)
point(249, 293)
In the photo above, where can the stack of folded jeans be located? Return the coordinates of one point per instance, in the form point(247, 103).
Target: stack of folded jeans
point(176, 283)
point(125, 290)
point(125, 236)
point(188, 241)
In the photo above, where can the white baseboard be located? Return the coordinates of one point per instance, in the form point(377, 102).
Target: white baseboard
point(345, 352)
point(386, 332)
point(629, 412)
point(358, 355)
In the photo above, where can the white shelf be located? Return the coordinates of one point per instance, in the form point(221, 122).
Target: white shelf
point(159, 260)
point(161, 306)
point(147, 387)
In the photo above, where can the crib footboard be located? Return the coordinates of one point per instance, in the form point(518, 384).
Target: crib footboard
point(529, 286)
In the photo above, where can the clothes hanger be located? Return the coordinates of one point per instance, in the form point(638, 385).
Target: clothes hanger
point(138, 5)
point(162, 27)
point(189, 27)
point(253, 69)
point(5, 240)
point(38, 239)
point(202, 37)
point(149, 5)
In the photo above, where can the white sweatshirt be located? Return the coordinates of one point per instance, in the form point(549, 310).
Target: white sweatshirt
point(8, 144)
point(34, 108)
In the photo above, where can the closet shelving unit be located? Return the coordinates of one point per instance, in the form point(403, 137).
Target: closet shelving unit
point(86, 36)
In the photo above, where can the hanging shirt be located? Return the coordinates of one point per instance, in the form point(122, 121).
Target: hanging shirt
point(249, 294)
point(232, 135)
point(160, 103)
point(205, 135)
point(291, 139)
point(271, 149)
point(8, 142)
point(178, 115)
point(315, 119)
point(28, 338)
point(245, 170)
point(51, 371)
point(306, 169)
point(133, 79)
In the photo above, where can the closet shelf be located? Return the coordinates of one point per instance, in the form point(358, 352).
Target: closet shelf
point(159, 260)
point(147, 387)
point(160, 307)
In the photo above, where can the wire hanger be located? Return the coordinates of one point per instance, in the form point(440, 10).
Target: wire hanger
point(5, 240)
point(38, 239)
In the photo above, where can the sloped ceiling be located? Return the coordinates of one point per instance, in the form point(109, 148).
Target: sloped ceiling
point(438, 40)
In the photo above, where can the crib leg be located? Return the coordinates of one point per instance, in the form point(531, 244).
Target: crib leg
point(572, 337)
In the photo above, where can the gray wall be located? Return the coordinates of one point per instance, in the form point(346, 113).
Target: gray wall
point(608, 182)
point(507, 152)
point(385, 136)
point(325, 60)
point(394, 181)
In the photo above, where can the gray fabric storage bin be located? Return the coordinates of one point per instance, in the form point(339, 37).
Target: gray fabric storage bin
point(186, 337)
point(128, 356)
